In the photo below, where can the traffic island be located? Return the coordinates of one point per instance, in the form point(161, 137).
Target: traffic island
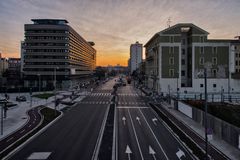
point(47, 114)
point(105, 152)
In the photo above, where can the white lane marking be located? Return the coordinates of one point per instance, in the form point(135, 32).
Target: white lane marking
point(10, 139)
point(100, 135)
point(138, 119)
point(39, 155)
point(22, 131)
point(154, 121)
point(152, 152)
point(139, 148)
point(180, 153)
point(129, 107)
point(124, 120)
point(153, 134)
point(128, 152)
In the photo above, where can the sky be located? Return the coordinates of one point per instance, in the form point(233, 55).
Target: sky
point(115, 24)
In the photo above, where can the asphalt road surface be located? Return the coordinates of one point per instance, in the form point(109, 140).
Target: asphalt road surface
point(140, 134)
point(76, 136)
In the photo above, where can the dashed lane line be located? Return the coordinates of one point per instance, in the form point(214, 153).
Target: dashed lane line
point(135, 135)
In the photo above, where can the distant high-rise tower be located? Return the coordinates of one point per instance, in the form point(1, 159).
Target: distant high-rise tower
point(135, 56)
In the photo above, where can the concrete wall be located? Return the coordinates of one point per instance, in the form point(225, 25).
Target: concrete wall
point(222, 129)
point(185, 109)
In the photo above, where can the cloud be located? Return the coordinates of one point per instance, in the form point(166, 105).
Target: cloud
point(114, 24)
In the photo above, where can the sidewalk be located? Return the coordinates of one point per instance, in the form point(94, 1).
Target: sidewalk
point(221, 145)
point(17, 115)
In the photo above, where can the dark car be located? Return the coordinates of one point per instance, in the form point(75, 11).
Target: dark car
point(21, 98)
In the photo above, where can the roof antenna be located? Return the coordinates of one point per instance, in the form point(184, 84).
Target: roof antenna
point(169, 22)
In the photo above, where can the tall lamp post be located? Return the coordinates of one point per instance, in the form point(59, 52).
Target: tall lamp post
point(39, 82)
point(177, 86)
point(205, 113)
point(55, 96)
point(205, 119)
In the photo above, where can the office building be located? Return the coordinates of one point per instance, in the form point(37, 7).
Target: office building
point(52, 47)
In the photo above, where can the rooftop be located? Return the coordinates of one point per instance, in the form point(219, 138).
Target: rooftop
point(49, 21)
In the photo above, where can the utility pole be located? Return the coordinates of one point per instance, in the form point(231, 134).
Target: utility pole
point(205, 114)
point(1, 119)
point(55, 96)
point(30, 97)
point(39, 82)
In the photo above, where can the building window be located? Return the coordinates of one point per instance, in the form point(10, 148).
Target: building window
point(236, 63)
point(201, 50)
point(171, 50)
point(183, 51)
point(183, 41)
point(201, 85)
point(214, 60)
point(171, 60)
point(171, 39)
point(183, 61)
point(201, 39)
point(215, 50)
point(214, 71)
point(183, 73)
point(201, 61)
point(236, 54)
point(171, 72)
point(214, 85)
point(182, 84)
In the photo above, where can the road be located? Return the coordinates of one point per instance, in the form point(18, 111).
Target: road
point(140, 134)
point(34, 119)
point(76, 135)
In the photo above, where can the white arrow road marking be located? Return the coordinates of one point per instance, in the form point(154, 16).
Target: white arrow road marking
point(180, 153)
point(128, 152)
point(152, 152)
point(154, 121)
point(138, 119)
point(124, 119)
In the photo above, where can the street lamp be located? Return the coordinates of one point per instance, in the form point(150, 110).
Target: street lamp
point(205, 113)
point(177, 86)
point(55, 97)
point(39, 82)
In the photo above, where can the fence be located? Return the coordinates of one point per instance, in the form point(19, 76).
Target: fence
point(222, 129)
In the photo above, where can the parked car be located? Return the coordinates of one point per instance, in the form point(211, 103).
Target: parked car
point(21, 98)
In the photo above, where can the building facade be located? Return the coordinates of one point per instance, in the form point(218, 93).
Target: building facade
point(177, 56)
point(52, 47)
point(135, 56)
